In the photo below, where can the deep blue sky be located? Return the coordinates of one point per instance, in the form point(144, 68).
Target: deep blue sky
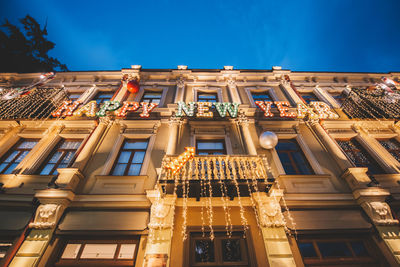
point(319, 35)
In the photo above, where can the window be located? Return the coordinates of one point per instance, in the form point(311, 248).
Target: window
point(207, 97)
point(130, 158)
point(392, 146)
point(261, 96)
point(308, 97)
point(292, 157)
point(99, 252)
point(16, 154)
point(339, 97)
point(62, 156)
point(101, 97)
point(337, 251)
point(152, 97)
point(73, 96)
point(222, 251)
point(359, 156)
point(210, 147)
point(4, 246)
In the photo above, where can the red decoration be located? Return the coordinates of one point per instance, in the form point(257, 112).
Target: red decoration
point(133, 86)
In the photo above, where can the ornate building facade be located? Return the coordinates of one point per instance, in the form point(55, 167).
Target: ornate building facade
point(185, 167)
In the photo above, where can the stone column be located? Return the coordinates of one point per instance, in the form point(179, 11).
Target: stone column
point(321, 92)
point(52, 205)
point(331, 146)
point(233, 90)
point(174, 124)
point(243, 121)
point(180, 90)
point(272, 225)
point(158, 247)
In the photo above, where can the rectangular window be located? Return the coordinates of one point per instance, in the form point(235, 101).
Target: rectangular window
point(210, 147)
point(222, 251)
point(357, 154)
point(99, 253)
point(74, 96)
point(207, 97)
point(130, 158)
point(16, 154)
point(308, 97)
point(339, 97)
point(392, 146)
point(152, 96)
point(101, 97)
point(337, 251)
point(292, 157)
point(62, 156)
point(261, 96)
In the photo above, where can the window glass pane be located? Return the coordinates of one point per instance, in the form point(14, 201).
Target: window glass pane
point(71, 251)
point(27, 144)
point(135, 145)
point(127, 251)
point(359, 248)
point(307, 250)
point(210, 145)
point(99, 251)
point(138, 157)
point(47, 169)
point(119, 169)
point(134, 169)
point(12, 156)
point(10, 168)
point(21, 156)
point(334, 249)
point(204, 251)
point(70, 145)
point(56, 156)
point(68, 157)
point(124, 157)
point(231, 250)
point(2, 166)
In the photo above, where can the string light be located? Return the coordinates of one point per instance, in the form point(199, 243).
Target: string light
point(66, 109)
point(183, 108)
point(303, 111)
point(265, 106)
point(147, 108)
point(323, 110)
point(177, 164)
point(89, 109)
point(283, 107)
point(108, 106)
point(127, 106)
point(203, 110)
point(231, 108)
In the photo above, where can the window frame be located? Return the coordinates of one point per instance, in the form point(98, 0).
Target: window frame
point(223, 141)
point(14, 148)
point(151, 99)
point(130, 157)
point(269, 90)
point(143, 89)
point(102, 100)
point(208, 90)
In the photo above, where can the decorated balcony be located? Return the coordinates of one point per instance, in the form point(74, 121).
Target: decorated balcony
point(216, 175)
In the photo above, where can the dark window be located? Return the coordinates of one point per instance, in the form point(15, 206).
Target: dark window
point(392, 146)
point(339, 97)
point(16, 154)
point(4, 246)
point(152, 97)
point(222, 251)
point(337, 251)
point(292, 157)
point(308, 97)
point(98, 253)
point(62, 156)
point(261, 96)
point(210, 147)
point(207, 97)
point(359, 156)
point(74, 96)
point(130, 158)
point(101, 97)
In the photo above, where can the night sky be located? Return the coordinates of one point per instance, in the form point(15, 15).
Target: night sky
point(319, 35)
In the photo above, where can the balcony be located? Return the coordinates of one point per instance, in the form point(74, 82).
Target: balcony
point(216, 175)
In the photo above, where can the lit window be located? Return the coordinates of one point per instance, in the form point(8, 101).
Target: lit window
point(16, 154)
point(152, 97)
point(392, 146)
point(130, 158)
point(207, 97)
point(292, 157)
point(62, 156)
point(308, 97)
point(210, 147)
point(359, 156)
point(101, 97)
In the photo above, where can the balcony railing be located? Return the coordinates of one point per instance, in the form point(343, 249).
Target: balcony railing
point(243, 172)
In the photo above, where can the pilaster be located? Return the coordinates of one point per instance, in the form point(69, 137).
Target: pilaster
point(243, 121)
point(233, 90)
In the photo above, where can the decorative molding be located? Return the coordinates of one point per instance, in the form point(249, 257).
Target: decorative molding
point(47, 216)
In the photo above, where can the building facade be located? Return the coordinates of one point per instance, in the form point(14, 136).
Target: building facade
point(182, 167)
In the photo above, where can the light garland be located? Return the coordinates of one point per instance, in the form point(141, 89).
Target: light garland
point(66, 109)
point(147, 108)
point(108, 106)
point(323, 110)
point(283, 107)
point(181, 160)
point(203, 110)
point(231, 108)
point(127, 106)
point(183, 108)
point(266, 107)
point(89, 110)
